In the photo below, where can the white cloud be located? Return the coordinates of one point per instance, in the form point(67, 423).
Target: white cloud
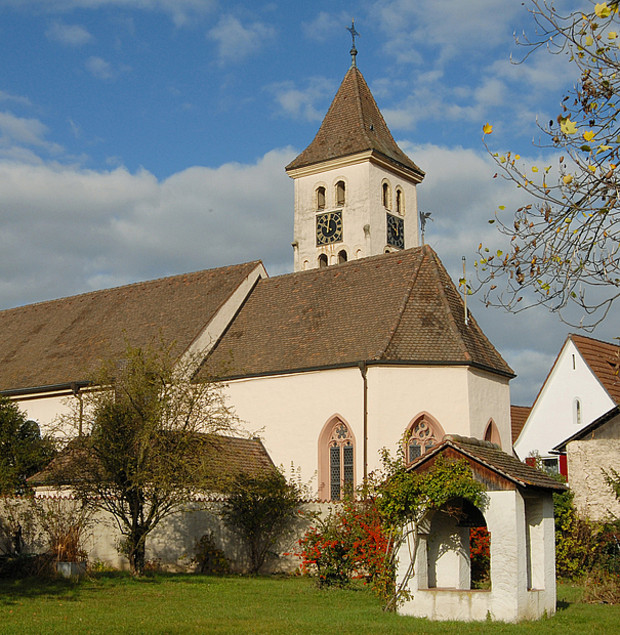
point(19, 131)
point(303, 103)
point(64, 229)
point(17, 99)
point(68, 34)
point(325, 26)
point(102, 69)
point(236, 41)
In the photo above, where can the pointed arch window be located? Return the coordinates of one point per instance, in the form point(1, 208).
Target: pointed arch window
point(340, 193)
point(492, 433)
point(423, 434)
point(336, 460)
point(320, 197)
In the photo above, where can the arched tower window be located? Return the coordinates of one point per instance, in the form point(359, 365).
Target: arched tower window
point(340, 193)
point(422, 434)
point(342, 256)
point(320, 197)
point(336, 460)
point(322, 261)
point(385, 195)
point(492, 433)
point(400, 201)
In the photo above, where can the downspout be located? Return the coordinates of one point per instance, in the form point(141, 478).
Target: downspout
point(78, 395)
point(362, 366)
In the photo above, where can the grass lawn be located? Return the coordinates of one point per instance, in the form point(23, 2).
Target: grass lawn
point(115, 603)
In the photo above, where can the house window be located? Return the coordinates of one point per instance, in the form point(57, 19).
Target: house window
point(320, 197)
point(400, 207)
point(342, 256)
point(421, 436)
point(322, 261)
point(578, 412)
point(341, 461)
point(385, 195)
point(340, 193)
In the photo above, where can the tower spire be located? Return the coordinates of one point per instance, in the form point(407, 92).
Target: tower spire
point(353, 51)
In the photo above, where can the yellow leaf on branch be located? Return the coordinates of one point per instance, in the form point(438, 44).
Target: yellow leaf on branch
point(602, 10)
point(568, 179)
point(588, 135)
point(487, 128)
point(568, 127)
point(534, 168)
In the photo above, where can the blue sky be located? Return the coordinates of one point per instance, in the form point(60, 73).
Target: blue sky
point(143, 138)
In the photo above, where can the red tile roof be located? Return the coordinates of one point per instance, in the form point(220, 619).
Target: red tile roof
point(518, 417)
point(63, 341)
point(489, 457)
point(603, 359)
point(353, 124)
point(391, 308)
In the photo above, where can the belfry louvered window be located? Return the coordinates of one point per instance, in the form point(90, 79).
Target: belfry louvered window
point(341, 462)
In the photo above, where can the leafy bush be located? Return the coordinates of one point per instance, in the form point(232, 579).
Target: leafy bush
point(209, 558)
point(349, 543)
point(480, 557)
point(260, 510)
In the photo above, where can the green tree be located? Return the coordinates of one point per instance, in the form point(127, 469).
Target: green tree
point(147, 449)
point(23, 451)
point(261, 509)
point(564, 244)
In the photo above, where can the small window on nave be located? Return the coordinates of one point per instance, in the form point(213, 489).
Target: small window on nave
point(340, 193)
point(322, 261)
point(320, 197)
point(422, 435)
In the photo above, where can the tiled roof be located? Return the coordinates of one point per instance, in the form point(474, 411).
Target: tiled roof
point(219, 458)
point(518, 417)
point(399, 307)
point(489, 455)
point(353, 124)
point(63, 341)
point(604, 361)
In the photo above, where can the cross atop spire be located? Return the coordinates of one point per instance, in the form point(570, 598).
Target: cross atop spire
point(353, 51)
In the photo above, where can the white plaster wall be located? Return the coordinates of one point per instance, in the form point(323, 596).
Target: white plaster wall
point(290, 411)
point(587, 459)
point(489, 398)
point(363, 206)
point(552, 418)
point(48, 410)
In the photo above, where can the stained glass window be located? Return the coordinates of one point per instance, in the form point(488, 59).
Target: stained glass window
point(421, 437)
point(341, 462)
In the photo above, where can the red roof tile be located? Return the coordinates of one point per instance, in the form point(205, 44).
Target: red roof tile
point(518, 417)
point(603, 359)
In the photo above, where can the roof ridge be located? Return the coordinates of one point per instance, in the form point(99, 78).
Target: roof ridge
point(401, 309)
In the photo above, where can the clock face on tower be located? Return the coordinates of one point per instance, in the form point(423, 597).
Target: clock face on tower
point(395, 231)
point(329, 228)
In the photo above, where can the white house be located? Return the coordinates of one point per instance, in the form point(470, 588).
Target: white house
point(582, 385)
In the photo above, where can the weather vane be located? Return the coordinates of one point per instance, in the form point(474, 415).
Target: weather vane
point(353, 32)
point(424, 216)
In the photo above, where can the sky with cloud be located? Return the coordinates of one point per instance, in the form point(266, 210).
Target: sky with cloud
point(144, 138)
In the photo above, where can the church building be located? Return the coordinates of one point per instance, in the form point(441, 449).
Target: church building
point(366, 345)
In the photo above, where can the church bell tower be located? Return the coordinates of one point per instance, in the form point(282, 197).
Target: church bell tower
point(355, 189)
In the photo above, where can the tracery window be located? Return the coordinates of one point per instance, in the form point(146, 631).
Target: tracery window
point(340, 193)
point(421, 436)
point(341, 461)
